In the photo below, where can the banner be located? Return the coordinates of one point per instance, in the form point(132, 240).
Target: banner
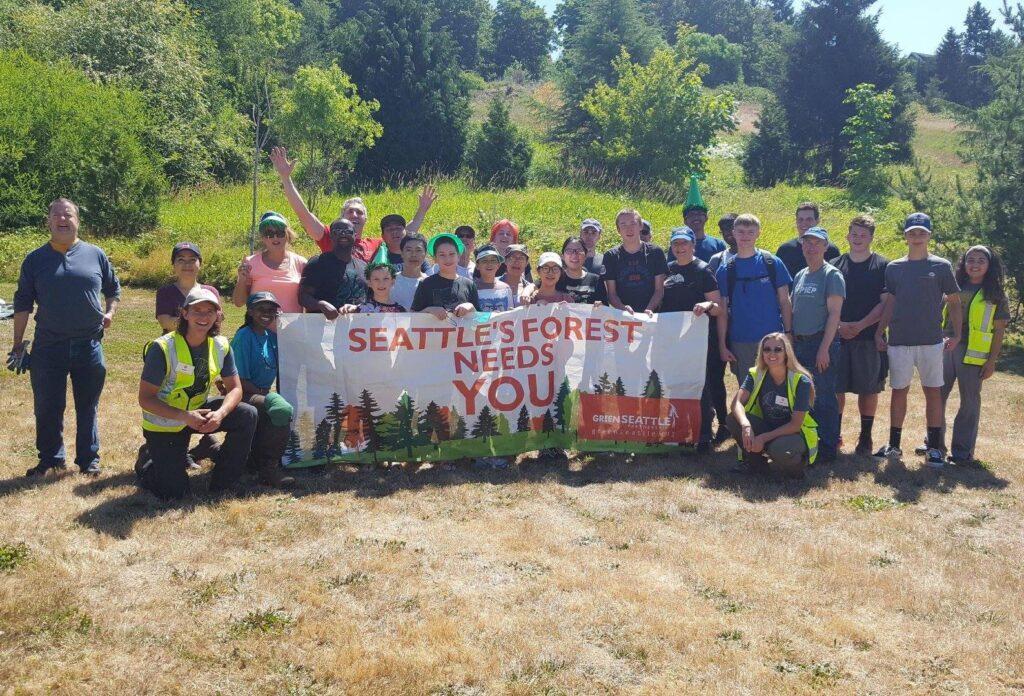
point(410, 387)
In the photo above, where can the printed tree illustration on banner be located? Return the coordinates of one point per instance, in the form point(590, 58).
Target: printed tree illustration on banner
point(503, 426)
point(293, 450)
point(619, 389)
point(406, 415)
point(652, 390)
point(486, 424)
point(604, 385)
point(322, 440)
point(388, 430)
point(335, 415)
point(433, 425)
point(369, 416)
point(561, 413)
point(548, 423)
point(457, 424)
point(523, 422)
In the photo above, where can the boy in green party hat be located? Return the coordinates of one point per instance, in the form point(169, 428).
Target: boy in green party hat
point(380, 278)
point(695, 216)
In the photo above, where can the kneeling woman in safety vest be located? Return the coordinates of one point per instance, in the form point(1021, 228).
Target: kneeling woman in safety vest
point(770, 417)
point(179, 369)
point(973, 360)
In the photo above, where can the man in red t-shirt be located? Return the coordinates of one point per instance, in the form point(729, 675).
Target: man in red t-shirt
point(353, 210)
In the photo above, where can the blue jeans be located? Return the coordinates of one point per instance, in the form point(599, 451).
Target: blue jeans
point(82, 359)
point(825, 409)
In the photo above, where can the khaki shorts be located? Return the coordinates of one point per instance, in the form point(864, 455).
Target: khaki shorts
point(927, 360)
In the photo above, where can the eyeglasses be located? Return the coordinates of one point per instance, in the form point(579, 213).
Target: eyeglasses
point(273, 232)
point(773, 349)
point(550, 268)
point(575, 252)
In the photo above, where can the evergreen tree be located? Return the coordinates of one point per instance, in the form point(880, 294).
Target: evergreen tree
point(486, 424)
point(503, 427)
point(322, 439)
point(981, 41)
point(369, 418)
point(335, 415)
point(604, 385)
point(499, 154)
point(389, 432)
point(769, 156)
point(393, 54)
point(457, 424)
point(548, 423)
point(561, 416)
point(523, 422)
point(432, 423)
point(868, 153)
point(949, 66)
point(782, 10)
point(838, 47)
point(652, 390)
point(465, 21)
point(522, 34)
point(620, 388)
point(406, 415)
point(293, 450)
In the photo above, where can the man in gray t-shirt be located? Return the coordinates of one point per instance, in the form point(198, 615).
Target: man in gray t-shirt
point(818, 293)
point(916, 286)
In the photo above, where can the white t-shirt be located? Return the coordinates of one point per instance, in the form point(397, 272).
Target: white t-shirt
point(404, 288)
point(500, 298)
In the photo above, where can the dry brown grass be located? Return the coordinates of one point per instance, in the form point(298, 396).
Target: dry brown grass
point(660, 576)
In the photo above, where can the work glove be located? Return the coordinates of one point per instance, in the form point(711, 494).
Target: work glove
point(18, 361)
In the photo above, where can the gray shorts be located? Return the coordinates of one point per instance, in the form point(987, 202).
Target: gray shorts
point(862, 368)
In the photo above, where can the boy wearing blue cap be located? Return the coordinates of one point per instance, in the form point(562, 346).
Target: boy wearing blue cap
point(818, 293)
point(917, 285)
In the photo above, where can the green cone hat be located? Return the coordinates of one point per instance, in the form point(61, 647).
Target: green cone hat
point(694, 201)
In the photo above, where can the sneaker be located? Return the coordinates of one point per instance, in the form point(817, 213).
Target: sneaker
point(922, 448)
point(889, 452)
point(91, 469)
point(864, 447)
point(721, 435)
point(41, 469)
point(935, 459)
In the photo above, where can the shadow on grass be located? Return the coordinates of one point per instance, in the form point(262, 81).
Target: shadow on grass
point(1011, 360)
point(117, 517)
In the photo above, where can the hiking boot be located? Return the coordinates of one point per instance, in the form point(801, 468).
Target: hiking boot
point(935, 459)
point(889, 452)
point(864, 446)
point(40, 469)
point(272, 475)
point(207, 448)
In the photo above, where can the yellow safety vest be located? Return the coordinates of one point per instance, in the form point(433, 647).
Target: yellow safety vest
point(809, 428)
point(181, 376)
point(980, 329)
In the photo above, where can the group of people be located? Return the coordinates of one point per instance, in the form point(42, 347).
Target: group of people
point(800, 328)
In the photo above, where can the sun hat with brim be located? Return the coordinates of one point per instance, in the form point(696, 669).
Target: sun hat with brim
point(816, 232)
point(488, 252)
point(262, 296)
point(549, 257)
point(445, 235)
point(684, 233)
point(185, 246)
point(516, 249)
point(272, 219)
point(200, 294)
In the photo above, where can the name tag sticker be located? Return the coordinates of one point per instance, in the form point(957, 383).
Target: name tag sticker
point(781, 400)
point(185, 369)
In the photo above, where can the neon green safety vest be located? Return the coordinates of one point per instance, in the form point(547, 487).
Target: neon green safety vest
point(809, 428)
point(180, 376)
point(980, 329)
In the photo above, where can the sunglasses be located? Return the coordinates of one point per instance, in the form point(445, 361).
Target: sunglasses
point(273, 232)
point(466, 236)
point(773, 349)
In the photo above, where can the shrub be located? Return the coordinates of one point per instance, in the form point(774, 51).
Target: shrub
point(724, 59)
point(499, 154)
point(62, 135)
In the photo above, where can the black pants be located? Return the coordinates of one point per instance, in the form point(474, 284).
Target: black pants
point(714, 385)
point(167, 477)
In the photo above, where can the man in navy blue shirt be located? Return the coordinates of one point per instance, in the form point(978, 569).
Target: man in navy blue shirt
point(63, 280)
point(695, 216)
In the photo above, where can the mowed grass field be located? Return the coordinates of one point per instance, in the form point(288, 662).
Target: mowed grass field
point(608, 575)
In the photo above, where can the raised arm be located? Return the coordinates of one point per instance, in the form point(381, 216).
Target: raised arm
point(427, 198)
point(284, 168)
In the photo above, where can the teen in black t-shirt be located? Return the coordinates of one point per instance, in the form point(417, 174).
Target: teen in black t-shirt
point(584, 287)
point(634, 271)
point(446, 291)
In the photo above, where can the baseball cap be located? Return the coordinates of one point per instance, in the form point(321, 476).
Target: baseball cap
point(917, 221)
point(817, 232)
point(272, 218)
point(645, 226)
point(549, 257)
point(513, 248)
point(465, 230)
point(459, 246)
point(185, 246)
point(683, 232)
point(200, 294)
point(263, 296)
point(590, 222)
point(488, 252)
point(392, 219)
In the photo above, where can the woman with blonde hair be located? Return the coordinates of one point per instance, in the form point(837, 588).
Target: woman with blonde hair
point(770, 417)
point(276, 269)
